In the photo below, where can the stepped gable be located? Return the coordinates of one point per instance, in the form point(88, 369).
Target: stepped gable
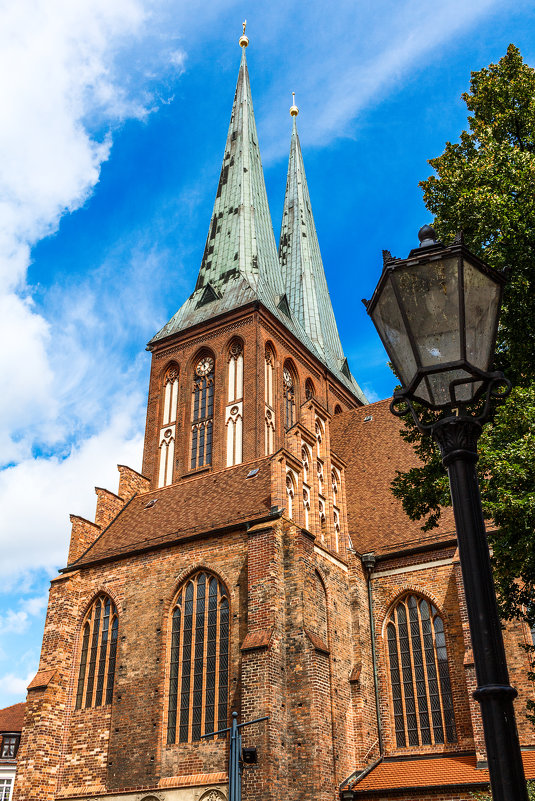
point(12, 717)
point(373, 451)
point(217, 499)
point(307, 292)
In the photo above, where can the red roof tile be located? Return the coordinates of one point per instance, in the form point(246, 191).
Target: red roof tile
point(437, 772)
point(373, 451)
point(195, 505)
point(12, 717)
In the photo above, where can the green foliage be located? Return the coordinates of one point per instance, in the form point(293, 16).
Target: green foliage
point(484, 184)
point(488, 796)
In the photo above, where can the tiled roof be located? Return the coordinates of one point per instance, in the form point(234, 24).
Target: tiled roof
point(433, 772)
point(373, 451)
point(12, 717)
point(209, 501)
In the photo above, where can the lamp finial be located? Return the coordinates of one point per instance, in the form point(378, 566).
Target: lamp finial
point(244, 41)
point(427, 236)
point(294, 111)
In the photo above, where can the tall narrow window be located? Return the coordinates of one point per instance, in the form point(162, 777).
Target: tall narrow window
point(419, 675)
point(202, 413)
point(198, 675)
point(97, 658)
point(290, 492)
point(234, 410)
point(168, 427)
point(309, 389)
point(289, 397)
point(269, 411)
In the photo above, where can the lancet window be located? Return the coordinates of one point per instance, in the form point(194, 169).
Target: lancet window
point(199, 660)
point(202, 413)
point(234, 410)
point(168, 426)
point(309, 389)
point(269, 411)
point(290, 492)
point(98, 654)
point(319, 430)
point(289, 392)
point(419, 675)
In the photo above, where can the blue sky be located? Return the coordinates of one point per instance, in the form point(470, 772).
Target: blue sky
point(114, 118)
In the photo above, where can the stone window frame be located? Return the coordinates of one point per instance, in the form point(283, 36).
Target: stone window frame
point(430, 689)
point(97, 654)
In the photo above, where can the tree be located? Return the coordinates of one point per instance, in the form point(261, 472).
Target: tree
point(484, 185)
point(488, 797)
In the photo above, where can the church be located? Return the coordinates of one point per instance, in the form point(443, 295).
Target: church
point(259, 564)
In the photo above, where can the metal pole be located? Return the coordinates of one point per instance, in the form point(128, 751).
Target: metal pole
point(457, 438)
point(235, 767)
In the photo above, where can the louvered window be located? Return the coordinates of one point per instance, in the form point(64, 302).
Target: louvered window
point(202, 413)
point(98, 654)
point(419, 675)
point(198, 676)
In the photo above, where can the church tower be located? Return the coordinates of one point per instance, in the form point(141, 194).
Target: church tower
point(201, 588)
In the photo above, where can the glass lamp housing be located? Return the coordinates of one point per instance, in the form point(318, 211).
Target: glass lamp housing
point(437, 315)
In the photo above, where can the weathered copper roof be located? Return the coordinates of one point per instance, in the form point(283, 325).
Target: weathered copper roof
point(240, 262)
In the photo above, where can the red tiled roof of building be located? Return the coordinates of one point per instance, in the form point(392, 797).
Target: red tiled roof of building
point(12, 717)
point(373, 451)
point(192, 506)
point(433, 772)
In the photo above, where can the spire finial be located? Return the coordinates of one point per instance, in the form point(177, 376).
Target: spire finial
point(244, 41)
point(294, 111)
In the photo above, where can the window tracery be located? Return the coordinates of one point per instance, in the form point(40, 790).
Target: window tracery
point(306, 506)
point(309, 389)
point(202, 413)
point(419, 675)
point(98, 654)
point(290, 492)
point(199, 660)
point(290, 400)
point(168, 427)
point(269, 411)
point(234, 410)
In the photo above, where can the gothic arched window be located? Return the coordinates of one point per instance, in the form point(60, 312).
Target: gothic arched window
point(269, 411)
point(202, 413)
point(199, 663)
point(234, 410)
point(98, 654)
point(419, 675)
point(289, 391)
point(168, 425)
point(309, 389)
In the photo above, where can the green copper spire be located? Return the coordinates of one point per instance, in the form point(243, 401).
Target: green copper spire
point(300, 259)
point(240, 260)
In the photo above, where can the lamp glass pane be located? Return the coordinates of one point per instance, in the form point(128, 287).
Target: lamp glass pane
point(430, 296)
point(389, 323)
point(482, 299)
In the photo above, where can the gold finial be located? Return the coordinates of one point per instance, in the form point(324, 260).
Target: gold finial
point(244, 41)
point(294, 111)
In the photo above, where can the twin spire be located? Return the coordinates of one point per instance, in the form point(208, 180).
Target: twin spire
point(240, 263)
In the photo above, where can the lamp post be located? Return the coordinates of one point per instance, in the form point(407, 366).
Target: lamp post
point(437, 315)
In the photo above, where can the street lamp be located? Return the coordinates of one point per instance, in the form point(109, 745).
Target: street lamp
point(437, 315)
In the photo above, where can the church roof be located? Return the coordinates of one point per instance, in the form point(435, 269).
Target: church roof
point(226, 498)
point(300, 259)
point(12, 718)
point(369, 441)
point(240, 263)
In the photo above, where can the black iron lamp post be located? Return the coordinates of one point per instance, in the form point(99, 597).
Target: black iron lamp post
point(437, 315)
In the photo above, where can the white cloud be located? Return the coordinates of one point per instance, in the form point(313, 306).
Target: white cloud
point(16, 685)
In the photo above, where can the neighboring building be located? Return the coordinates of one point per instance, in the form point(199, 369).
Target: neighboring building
point(228, 576)
point(11, 720)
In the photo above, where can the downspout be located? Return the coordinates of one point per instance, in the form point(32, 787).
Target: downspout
point(368, 562)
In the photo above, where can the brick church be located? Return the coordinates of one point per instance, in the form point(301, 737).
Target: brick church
point(259, 563)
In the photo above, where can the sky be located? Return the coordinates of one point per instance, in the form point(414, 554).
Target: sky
point(113, 120)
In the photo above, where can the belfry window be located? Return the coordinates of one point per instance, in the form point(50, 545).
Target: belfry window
point(269, 411)
point(234, 410)
point(168, 426)
point(98, 654)
point(202, 413)
point(419, 675)
point(199, 660)
point(289, 397)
